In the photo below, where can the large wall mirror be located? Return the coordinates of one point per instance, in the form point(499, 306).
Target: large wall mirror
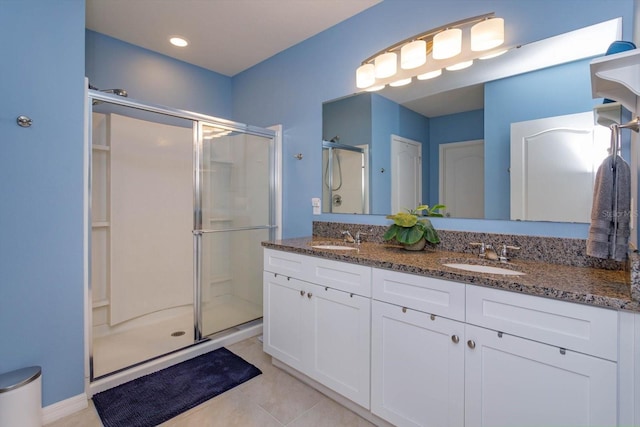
point(489, 142)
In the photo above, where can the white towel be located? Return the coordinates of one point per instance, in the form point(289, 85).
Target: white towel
point(611, 210)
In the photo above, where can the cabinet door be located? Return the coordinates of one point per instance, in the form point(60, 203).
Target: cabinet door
point(340, 333)
point(284, 328)
point(417, 367)
point(511, 381)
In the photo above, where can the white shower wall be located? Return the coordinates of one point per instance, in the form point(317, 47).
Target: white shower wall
point(151, 217)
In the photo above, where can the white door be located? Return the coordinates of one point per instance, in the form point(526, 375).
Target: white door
point(340, 330)
point(511, 381)
point(406, 174)
point(462, 178)
point(417, 367)
point(553, 165)
point(285, 311)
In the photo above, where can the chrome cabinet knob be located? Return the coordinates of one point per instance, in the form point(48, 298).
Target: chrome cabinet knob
point(301, 293)
point(309, 295)
point(455, 339)
point(471, 344)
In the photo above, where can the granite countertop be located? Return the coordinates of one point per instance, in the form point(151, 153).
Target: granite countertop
point(586, 285)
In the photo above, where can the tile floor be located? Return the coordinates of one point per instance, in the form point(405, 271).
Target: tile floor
point(274, 398)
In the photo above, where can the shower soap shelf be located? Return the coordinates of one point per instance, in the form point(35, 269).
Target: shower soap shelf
point(617, 77)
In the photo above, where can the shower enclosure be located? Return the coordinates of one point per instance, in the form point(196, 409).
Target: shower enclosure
point(344, 178)
point(179, 205)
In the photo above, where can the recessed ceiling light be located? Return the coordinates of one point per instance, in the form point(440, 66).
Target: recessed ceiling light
point(178, 41)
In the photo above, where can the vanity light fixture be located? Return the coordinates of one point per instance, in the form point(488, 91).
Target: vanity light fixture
point(452, 47)
point(178, 41)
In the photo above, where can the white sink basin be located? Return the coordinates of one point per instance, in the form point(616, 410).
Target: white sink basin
point(485, 269)
point(334, 247)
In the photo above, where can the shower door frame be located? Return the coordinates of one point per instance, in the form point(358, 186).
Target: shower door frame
point(199, 231)
point(199, 120)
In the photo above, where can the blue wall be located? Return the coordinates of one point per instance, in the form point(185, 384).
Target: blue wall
point(154, 78)
point(290, 87)
point(348, 118)
point(41, 187)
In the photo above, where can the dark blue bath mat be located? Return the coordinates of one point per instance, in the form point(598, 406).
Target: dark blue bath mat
point(155, 398)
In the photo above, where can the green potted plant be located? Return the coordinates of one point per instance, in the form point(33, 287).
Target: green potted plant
point(414, 232)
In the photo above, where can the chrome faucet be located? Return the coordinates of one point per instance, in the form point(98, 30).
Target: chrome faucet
point(504, 255)
point(359, 237)
point(487, 251)
point(482, 253)
point(348, 237)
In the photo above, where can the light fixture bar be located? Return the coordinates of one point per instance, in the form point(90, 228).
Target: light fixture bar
point(453, 46)
point(429, 34)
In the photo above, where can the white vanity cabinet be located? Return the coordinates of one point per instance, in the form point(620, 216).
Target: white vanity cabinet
point(417, 350)
point(512, 381)
point(314, 326)
point(551, 363)
point(412, 350)
point(448, 354)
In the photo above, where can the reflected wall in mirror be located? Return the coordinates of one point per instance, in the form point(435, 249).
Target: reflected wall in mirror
point(482, 112)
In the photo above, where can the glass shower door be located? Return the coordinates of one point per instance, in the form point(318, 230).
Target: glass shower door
point(234, 216)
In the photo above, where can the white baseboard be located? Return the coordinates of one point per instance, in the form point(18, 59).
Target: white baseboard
point(63, 408)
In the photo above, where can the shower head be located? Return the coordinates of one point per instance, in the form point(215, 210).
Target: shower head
point(119, 92)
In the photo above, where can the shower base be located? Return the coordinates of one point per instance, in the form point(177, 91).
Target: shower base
point(162, 333)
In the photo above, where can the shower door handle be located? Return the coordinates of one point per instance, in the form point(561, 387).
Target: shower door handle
point(224, 230)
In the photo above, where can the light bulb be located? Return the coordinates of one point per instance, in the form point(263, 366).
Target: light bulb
point(430, 75)
point(401, 82)
point(447, 44)
point(178, 41)
point(386, 65)
point(413, 55)
point(365, 76)
point(460, 65)
point(487, 34)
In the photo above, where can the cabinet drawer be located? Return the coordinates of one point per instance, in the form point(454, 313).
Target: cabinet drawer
point(338, 275)
point(343, 276)
point(286, 263)
point(590, 330)
point(436, 296)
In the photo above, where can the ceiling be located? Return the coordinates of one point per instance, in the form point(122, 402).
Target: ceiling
point(226, 36)
point(453, 101)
